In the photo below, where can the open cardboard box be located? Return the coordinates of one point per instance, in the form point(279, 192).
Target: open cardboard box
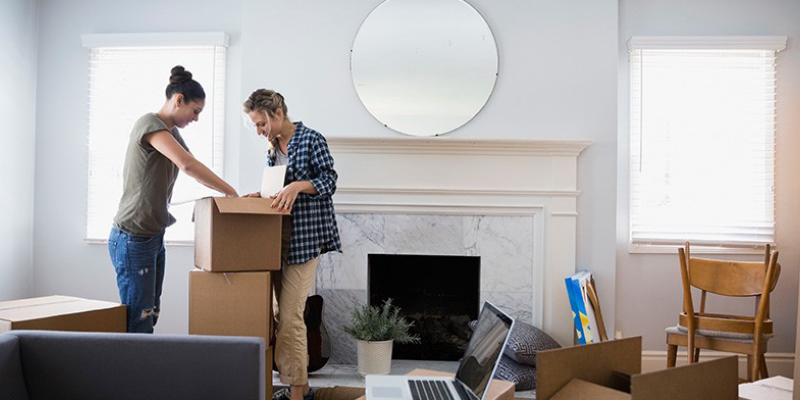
point(237, 234)
point(62, 313)
point(612, 371)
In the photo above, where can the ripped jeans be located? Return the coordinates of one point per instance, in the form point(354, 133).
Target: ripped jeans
point(139, 262)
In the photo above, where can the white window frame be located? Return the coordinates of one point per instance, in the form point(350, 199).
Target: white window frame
point(768, 43)
point(219, 41)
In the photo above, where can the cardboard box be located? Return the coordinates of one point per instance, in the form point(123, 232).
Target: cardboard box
point(612, 371)
point(230, 303)
point(773, 388)
point(579, 389)
point(62, 313)
point(498, 390)
point(237, 234)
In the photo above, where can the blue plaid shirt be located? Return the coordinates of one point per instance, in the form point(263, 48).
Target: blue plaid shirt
point(314, 229)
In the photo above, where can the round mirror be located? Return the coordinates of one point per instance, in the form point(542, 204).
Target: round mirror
point(424, 67)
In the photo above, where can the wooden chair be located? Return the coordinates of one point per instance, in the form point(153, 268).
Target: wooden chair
point(724, 332)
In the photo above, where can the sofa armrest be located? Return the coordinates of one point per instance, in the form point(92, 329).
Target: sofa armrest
point(12, 383)
point(62, 365)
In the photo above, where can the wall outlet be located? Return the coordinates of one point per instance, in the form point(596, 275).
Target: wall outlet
point(618, 334)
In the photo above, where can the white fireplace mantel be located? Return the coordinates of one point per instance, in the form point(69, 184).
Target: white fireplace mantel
point(442, 176)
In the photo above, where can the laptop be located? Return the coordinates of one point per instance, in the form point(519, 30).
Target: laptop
point(474, 373)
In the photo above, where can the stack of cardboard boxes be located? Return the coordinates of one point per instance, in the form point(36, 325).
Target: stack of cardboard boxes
point(237, 245)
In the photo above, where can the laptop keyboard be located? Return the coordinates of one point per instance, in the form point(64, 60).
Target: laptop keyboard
point(434, 390)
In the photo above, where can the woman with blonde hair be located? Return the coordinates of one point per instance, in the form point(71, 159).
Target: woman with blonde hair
point(309, 184)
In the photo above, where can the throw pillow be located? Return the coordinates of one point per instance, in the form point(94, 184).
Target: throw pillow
point(523, 376)
point(525, 341)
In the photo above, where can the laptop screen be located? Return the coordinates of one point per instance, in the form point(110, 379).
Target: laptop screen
point(484, 349)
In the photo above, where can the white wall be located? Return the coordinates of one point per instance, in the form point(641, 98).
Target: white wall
point(557, 80)
point(17, 130)
point(301, 48)
point(649, 294)
point(562, 66)
point(63, 262)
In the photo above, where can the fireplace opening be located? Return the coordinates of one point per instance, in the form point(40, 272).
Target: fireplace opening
point(438, 294)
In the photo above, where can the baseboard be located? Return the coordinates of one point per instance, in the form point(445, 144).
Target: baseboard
point(777, 363)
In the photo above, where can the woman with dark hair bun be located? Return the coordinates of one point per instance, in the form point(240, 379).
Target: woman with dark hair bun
point(156, 152)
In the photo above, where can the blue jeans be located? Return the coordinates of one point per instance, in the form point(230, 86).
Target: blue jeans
point(139, 262)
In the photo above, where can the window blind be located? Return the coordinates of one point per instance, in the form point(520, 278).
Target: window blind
point(702, 155)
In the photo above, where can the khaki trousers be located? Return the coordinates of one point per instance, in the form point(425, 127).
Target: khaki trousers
point(292, 286)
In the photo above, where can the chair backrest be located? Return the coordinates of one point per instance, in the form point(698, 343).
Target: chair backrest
point(727, 278)
point(733, 278)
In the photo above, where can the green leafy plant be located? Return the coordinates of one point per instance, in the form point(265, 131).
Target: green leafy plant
point(375, 324)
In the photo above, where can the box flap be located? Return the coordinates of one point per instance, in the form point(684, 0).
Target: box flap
point(709, 380)
point(11, 304)
point(599, 363)
point(245, 205)
point(778, 382)
point(752, 391)
point(579, 389)
point(32, 309)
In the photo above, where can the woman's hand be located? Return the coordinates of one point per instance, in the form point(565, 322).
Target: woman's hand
point(256, 194)
point(284, 200)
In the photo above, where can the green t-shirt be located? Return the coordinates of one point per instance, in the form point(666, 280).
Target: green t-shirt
point(147, 181)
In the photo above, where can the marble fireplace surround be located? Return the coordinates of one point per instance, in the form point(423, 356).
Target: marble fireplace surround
point(511, 202)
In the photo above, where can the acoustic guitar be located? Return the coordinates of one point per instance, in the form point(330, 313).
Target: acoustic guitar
point(319, 343)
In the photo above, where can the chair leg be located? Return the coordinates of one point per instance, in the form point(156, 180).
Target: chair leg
point(756, 360)
point(696, 355)
point(751, 370)
point(762, 362)
point(672, 355)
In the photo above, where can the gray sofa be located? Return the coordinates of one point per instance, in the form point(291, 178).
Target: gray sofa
point(44, 365)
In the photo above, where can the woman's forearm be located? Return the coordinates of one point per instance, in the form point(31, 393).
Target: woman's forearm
point(204, 175)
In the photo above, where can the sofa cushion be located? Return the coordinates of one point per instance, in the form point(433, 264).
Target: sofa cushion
point(12, 383)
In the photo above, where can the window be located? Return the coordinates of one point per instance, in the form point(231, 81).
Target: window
point(702, 142)
point(128, 74)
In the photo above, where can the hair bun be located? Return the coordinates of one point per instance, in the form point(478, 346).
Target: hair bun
point(179, 75)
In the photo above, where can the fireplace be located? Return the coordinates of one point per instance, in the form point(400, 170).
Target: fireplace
point(426, 196)
point(439, 294)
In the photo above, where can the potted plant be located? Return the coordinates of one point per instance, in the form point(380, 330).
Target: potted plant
point(375, 330)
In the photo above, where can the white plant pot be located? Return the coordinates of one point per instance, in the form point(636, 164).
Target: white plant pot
point(374, 358)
